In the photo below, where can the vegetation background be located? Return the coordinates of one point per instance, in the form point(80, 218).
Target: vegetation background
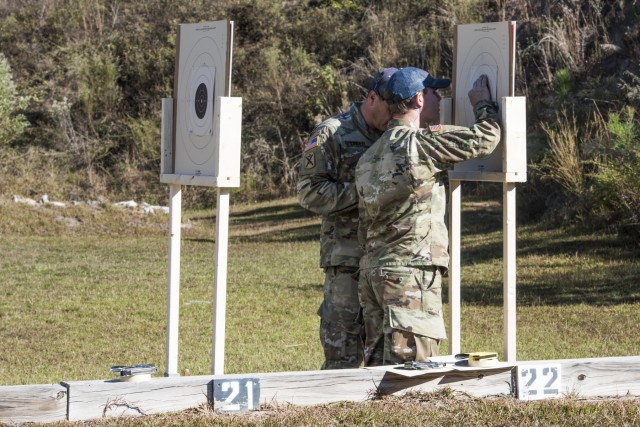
point(81, 84)
point(80, 89)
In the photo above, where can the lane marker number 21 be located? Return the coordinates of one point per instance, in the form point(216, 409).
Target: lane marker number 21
point(242, 394)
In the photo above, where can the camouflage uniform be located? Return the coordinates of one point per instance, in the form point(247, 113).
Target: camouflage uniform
point(327, 187)
point(402, 204)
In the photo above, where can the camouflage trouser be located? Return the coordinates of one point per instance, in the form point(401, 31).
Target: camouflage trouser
point(402, 314)
point(341, 319)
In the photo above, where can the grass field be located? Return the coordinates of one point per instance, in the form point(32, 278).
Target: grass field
point(84, 288)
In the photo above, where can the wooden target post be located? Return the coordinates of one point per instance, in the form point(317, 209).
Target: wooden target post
point(200, 144)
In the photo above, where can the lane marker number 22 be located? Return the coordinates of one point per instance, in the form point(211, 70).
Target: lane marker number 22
point(537, 382)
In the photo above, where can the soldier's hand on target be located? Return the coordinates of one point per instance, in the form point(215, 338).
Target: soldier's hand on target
point(480, 90)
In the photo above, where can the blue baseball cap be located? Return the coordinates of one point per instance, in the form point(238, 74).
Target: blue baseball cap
point(408, 81)
point(380, 80)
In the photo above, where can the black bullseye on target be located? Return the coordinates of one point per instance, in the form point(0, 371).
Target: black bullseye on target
point(201, 100)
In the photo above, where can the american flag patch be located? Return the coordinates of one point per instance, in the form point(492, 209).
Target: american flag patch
point(313, 142)
point(435, 128)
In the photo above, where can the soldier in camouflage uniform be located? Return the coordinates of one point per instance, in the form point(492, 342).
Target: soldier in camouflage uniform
point(326, 187)
point(402, 202)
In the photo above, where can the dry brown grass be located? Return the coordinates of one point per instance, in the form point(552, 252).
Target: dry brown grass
point(443, 408)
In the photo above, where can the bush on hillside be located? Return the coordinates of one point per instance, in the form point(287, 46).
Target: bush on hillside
point(95, 73)
point(12, 122)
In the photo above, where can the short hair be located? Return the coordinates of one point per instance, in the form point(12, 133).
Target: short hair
point(403, 106)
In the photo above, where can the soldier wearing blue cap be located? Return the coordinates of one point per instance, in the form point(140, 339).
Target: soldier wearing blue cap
point(402, 204)
point(326, 187)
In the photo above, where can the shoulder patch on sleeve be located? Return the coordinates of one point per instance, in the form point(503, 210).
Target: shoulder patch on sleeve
point(309, 161)
point(313, 142)
point(436, 128)
point(318, 137)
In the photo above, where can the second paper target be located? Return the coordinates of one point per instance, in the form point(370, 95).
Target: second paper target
point(200, 78)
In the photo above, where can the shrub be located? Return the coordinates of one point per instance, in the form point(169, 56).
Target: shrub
point(563, 164)
point(615, 189)
point(12, 122)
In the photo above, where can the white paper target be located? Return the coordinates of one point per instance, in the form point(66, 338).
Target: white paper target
point(201, 76)
point(483, 49)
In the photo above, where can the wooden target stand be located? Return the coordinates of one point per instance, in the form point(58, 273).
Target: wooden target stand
point(487, 49)
point(200, 144)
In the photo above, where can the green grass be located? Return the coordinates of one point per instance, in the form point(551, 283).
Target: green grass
point(75, 300)
point(78, 296)
point(578, 292)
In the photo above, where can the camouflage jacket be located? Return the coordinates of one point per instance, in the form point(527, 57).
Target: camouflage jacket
point(326, 185)
point(402, 197)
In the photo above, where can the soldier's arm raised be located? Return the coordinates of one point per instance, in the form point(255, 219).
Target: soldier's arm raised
point(452, 144)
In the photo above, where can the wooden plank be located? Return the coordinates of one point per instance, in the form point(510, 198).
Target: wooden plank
point(514, 127)
point(598, 377)
point(509, 270)
point(84, 400)
point(311, 387)
point(321, 387)
point(97, 399)
point(487, 176)
point(228, 138)
point(220, 282)
point(173, 285)
point(455, 274)
point(33, 403)
point(166, 137)
point(200, 180)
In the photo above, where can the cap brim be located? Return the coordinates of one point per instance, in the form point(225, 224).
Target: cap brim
point(436, 83)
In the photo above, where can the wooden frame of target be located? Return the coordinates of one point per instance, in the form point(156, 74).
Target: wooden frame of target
point(487, 48)
point(204, 148)
point(200, 145)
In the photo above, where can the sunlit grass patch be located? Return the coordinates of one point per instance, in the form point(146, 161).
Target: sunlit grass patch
point(72, 303)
